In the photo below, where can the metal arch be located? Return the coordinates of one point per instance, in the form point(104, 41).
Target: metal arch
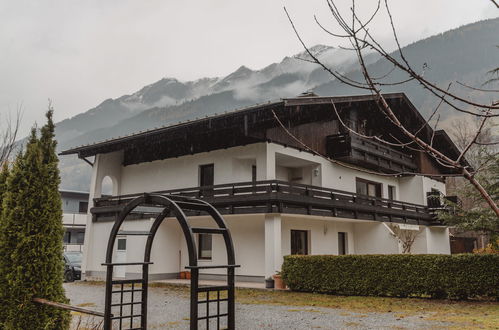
point(170, 205)
point(229, 245)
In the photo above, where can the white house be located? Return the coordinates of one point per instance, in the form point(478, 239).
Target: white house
point(74, 218)
point(288, 178)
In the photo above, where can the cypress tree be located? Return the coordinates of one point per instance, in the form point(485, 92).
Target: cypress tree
point(3, 183)
point(33, 231)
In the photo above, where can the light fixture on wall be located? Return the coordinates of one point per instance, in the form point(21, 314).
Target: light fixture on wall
point(316, 172)
point(325, 228)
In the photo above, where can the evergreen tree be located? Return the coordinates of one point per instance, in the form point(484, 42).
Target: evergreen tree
point(3, 182)
point(32, 237)
point(479, 217)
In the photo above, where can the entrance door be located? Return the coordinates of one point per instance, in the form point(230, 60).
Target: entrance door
point(119, 271)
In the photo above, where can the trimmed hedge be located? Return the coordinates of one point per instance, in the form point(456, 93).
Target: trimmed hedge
point(438, 276)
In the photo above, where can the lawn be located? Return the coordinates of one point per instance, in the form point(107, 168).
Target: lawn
point(465, 314)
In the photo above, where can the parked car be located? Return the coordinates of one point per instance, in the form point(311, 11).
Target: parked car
point(72, 268)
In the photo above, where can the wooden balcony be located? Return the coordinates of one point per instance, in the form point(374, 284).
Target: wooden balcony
point(280, 197)
point(353, 149)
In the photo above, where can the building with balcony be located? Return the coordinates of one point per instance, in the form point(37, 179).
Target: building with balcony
point(288, 177)
point(74, 218)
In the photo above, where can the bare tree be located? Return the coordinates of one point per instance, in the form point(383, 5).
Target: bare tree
point(405, 238)
point(8, 135)
point(356, 31)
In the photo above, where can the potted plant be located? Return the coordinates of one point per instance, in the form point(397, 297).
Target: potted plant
point(269, 283)
point(279, 284)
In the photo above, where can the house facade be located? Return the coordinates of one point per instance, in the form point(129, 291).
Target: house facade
point(74, 218)
point(287, 177)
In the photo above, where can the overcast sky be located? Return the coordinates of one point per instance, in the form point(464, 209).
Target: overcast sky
point(79, 53)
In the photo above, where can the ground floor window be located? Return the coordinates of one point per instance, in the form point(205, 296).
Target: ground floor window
point(342, 243)
point(74, 236)
point(299, 242)
point(204, 246)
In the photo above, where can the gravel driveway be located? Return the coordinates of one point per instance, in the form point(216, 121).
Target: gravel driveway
point(169, 309)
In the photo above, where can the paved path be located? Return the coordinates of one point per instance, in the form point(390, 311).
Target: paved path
point(169, 309)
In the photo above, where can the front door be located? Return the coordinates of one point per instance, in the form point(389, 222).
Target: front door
point(119, 271)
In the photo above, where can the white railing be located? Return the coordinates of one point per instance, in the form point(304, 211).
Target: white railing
point(72, 247)
point(74, 219)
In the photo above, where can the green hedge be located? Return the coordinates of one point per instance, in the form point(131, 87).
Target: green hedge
point(438, 276)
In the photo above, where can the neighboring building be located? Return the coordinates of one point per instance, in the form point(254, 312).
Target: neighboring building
point(277, 197)
point(74, 218)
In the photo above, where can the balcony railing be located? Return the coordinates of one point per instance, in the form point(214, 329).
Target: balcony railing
point(280, 197)
point(354, 149)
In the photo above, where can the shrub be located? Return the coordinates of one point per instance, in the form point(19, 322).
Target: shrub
point(490, 248)
point(437, 276)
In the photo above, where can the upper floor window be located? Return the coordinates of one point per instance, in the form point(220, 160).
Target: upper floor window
point(369, 188)
point(392, 192)
point(206, 178)
point(83, 207)
point(206, 175)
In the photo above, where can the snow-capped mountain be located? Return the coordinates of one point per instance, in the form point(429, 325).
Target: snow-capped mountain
point(292, 76)
point(169, 100)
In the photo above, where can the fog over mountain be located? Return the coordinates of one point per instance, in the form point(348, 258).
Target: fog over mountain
point(465, 54)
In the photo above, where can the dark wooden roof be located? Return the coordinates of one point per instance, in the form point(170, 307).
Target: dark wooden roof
point(245, 126)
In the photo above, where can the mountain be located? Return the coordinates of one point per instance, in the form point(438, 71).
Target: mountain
point(465, 54)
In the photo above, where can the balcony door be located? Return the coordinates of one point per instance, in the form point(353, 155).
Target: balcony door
point(206, 178)
point(299, 242)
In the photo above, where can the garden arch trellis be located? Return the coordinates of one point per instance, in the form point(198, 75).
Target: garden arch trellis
point(170, 205)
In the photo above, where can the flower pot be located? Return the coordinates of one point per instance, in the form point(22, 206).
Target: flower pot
point(182, 275)
point(187, 275)
point(269, 283)
point(278, 282)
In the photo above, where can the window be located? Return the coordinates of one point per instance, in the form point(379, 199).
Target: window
point(206, 178)
point(433, 198)
point(83, 207)
point(369, 188)
point(204, 246)
point(342, 243)
point(67, 237)
point(299, 242)
point(392, 192)
point(121, 244)
point(253, 173)
point(80, 237)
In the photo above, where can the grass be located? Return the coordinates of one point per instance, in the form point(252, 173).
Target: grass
point(462, 314)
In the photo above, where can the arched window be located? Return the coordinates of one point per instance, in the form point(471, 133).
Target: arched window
point(108, 186)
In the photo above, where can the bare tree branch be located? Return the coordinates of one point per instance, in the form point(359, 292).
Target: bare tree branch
point(361, 39)
point(8, 135)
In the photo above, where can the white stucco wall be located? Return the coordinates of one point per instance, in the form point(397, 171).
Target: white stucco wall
point(323, 234)
point(374, 238)
point(250, 231)
point(437, 240)
point(230, 165)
